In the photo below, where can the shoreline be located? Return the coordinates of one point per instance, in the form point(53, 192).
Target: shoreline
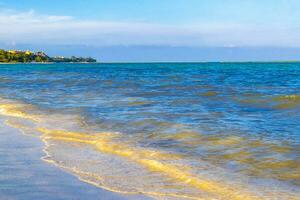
point(163, 62)
point(28, 176)
point(20, 63)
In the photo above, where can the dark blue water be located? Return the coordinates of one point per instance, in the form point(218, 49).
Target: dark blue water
point(241, 117)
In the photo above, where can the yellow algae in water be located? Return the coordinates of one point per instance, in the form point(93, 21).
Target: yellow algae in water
point(71, 136)
point(108, 146)
point(159, 155)
point(15, 110)
point(240, 157)
point(138, 103)
point(292, 97)
point(209, 94)
point(253, 101)
point(228, 141)
point(280, 148)
point(287, 170)
point(123, 150)
point(273, 164)
point(173, 172)
point(237, 156)
point(184, 135)
point(276, 102)
point(218, 140)
point(60, 133)
point(211, 187)
point(255, 144)
point(287, 101)
point(146, 158)
point(102, 141)
point(290, 175)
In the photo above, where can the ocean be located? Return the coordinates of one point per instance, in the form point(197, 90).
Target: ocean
point(164, 130)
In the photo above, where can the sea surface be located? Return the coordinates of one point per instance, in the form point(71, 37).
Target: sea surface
point(228, 131)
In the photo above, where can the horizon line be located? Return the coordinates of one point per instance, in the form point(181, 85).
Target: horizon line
point(159, 62)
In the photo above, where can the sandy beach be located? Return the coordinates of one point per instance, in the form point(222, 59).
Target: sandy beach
point(24, 176)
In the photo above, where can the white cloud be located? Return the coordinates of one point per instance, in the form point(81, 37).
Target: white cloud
point(31, 27)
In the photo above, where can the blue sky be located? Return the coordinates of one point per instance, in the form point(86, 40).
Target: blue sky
point(172, 23)
point(168, 11)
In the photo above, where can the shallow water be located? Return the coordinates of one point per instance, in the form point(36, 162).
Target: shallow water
point(169, 131)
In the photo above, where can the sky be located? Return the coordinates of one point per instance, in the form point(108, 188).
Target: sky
point(186, 25)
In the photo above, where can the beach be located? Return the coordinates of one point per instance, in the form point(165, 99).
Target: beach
point(24, 176)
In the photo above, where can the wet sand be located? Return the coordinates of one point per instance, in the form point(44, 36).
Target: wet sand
point(24, 176)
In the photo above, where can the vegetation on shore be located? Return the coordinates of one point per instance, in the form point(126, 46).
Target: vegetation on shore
point(13, 56)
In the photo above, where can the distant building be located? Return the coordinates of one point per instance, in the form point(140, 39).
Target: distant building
point(41, 54)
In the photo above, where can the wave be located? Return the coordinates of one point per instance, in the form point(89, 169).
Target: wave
point(115, 162)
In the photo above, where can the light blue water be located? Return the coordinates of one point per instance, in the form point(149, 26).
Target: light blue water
point(242, 118)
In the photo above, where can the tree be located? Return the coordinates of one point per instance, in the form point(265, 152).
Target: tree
point(38, 59)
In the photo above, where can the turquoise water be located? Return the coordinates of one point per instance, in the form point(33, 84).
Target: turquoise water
point(186, 131)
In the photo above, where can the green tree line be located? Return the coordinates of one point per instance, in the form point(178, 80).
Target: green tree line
point(22, 57)
point(27, 57)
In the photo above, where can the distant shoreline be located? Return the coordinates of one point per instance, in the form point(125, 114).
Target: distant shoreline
point(201, 62)
point(18, 56)
point(18, 63)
